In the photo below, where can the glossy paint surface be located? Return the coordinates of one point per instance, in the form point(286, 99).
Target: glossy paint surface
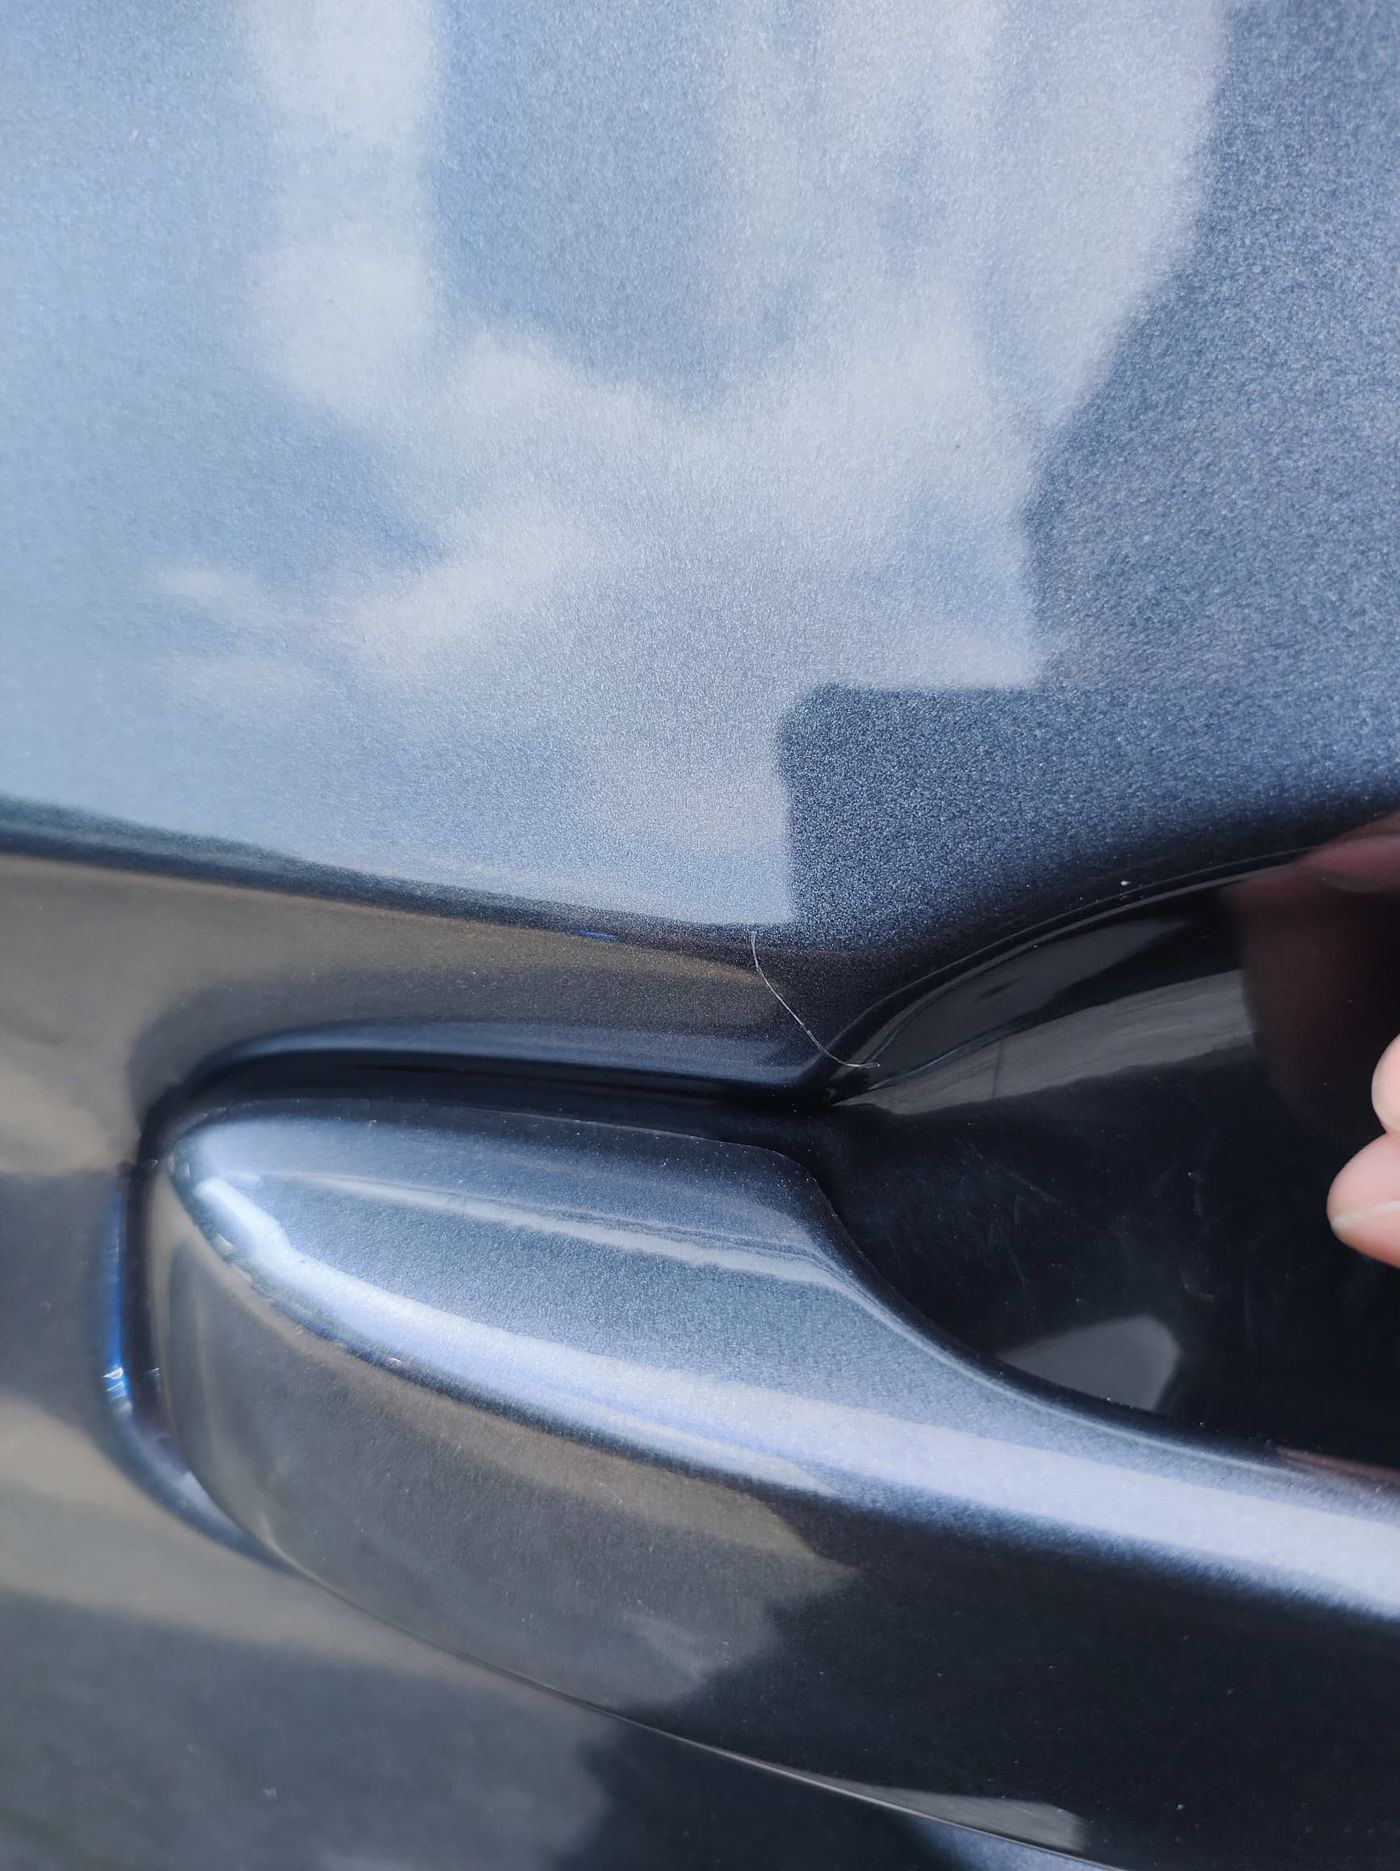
point(531, 535)
point(620, 1412)
point(168, 1699)
point(1103, 1157)
point(643, 460)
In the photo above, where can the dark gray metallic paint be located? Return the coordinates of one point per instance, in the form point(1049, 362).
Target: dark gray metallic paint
point(480, 480)
point(168, 1699)
point(520, 450)
point(622, 1412)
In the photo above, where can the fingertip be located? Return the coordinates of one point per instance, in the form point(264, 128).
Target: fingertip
point(1363, 1205)
point(1385, 1087)
point(1366, 862)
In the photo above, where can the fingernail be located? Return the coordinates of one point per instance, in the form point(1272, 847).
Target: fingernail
point(1383, 1088)
point(1374, 1231)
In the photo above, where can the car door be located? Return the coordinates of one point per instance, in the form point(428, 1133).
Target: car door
point(697, 731)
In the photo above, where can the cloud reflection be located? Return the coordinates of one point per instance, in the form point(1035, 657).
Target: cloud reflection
point(788, 443)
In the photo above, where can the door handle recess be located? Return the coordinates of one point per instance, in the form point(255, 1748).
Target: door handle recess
point(625, 1414)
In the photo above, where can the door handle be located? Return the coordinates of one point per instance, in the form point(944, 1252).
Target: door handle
point(625, 1413)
